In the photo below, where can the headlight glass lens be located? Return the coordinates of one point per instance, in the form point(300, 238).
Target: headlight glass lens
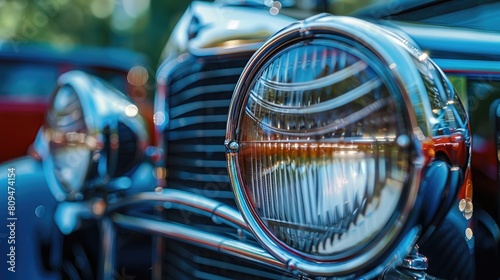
point(322, 148)
point(67, 132)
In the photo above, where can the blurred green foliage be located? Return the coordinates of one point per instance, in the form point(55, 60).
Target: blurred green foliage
point(140, 25)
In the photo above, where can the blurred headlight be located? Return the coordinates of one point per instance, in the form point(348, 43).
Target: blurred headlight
point(68, 133)
point(93, 136)
point(325, 146)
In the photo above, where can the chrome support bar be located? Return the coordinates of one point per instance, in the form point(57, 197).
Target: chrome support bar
point(199, 238)
point(185, 201)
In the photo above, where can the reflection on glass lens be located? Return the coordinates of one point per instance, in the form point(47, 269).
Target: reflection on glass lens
point(68, 134)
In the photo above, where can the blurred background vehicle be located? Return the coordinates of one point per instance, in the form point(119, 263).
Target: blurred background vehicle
point(29, 71)
point(47, 38)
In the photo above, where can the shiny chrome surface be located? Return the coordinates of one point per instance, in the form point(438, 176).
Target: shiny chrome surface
point(435, 118)
point(448, 42)
point(198, 204)
point(108, 215)
point(111, 131)
point(214, 29)
point(415, 260)
point(463, 66)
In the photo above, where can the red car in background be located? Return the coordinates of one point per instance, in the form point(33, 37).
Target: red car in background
point(28, 73)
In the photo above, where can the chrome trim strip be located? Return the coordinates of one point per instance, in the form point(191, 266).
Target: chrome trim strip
point(467, 66)
point(212, 193)
point(454, 40)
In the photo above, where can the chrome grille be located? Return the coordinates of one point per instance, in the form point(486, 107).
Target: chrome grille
point(199, 92)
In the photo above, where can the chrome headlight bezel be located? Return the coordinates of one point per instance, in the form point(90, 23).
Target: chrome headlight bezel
point(107, 116)
point(395, 57)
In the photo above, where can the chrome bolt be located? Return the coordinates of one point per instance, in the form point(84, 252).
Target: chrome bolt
point(415, 260)
point(233, 146)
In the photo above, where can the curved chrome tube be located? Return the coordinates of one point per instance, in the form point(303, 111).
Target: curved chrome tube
point(185, 201)
point(199, 238)
point(199, 205)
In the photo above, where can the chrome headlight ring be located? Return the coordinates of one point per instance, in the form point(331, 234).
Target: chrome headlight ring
point(325, 146)
point(91, 137)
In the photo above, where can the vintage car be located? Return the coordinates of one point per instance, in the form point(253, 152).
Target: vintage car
point(330, 147)
point(24, 101)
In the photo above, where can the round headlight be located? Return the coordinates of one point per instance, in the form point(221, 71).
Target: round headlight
point(324, 148)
